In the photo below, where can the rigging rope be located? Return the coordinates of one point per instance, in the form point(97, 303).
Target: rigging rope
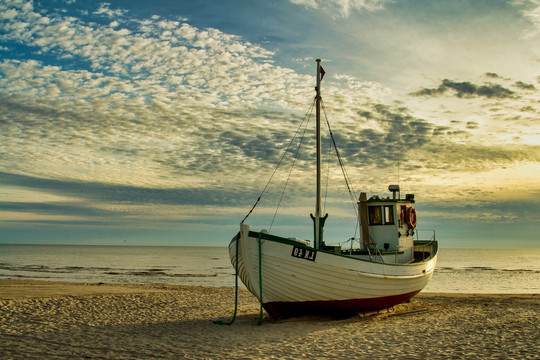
point(260, 283)
point(303, 124)
point(280, 160)
point(327, 178)
point(292, 167)
point(352, 195)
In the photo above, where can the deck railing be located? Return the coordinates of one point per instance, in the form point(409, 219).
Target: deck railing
point(427, 235)
point(424, 245)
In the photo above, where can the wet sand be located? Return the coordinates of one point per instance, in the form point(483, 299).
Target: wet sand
point(47, 320)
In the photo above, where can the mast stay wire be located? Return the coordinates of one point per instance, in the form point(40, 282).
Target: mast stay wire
point(292, 166)
point(352, 193)
point(348, 183)
point(309, 111)
point(327, 177)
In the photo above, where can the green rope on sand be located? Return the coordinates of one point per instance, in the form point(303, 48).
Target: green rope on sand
point(260, 283)
point(221, 322)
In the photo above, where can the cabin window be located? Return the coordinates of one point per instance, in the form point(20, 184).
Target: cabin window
point(375, 216)
point(381, 215)
point(388, 214)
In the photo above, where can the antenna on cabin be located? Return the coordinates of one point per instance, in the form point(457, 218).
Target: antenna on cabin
point(398, 164)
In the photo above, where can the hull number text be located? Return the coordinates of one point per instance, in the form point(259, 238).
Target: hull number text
point(306, 254)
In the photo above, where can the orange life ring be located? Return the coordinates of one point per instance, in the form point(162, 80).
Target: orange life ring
point(411, 218)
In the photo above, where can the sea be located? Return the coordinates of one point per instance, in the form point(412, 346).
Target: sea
point(504, 271)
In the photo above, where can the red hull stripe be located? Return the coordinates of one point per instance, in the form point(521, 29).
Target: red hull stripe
point(285, 310)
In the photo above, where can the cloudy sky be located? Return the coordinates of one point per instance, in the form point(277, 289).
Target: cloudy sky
point(160, 123)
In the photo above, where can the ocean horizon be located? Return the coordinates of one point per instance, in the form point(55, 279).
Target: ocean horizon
point(506, 271)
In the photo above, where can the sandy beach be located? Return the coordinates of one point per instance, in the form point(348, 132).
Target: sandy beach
point(47, 320)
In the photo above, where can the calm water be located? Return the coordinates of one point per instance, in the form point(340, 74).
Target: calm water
point(458, 270)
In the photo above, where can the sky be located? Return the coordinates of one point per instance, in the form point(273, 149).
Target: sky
point(160, 123)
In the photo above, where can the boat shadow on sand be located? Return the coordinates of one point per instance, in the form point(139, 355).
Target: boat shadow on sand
point(408, 308)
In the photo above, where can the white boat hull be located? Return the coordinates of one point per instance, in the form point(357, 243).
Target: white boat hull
point(298, 280)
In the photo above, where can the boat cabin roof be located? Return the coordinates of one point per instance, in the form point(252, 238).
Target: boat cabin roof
point(376, 198)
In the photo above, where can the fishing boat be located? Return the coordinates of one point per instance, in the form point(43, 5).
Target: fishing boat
point(293, 277)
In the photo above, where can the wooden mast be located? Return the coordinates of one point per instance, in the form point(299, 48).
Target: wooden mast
point(318, 208)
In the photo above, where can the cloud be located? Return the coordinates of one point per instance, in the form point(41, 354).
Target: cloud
point(395, 133)
point(467, 89)
point(133, 119)
point(160, 103)
point(75, 202)
point(486, 210)
point(343, 8)
point(522, 85)
point(531, 11)
point(88, 191)
point(155, 58)
point(104, 9)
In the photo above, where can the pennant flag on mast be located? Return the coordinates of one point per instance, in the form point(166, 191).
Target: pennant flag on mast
point(322, 72)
